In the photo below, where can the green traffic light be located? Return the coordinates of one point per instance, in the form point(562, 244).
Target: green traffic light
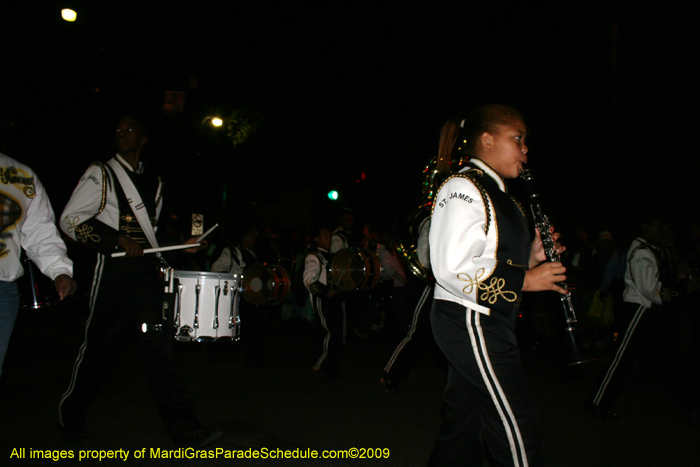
point(333, 195)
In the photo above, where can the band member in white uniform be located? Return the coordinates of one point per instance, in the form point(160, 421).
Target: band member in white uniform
point(235, 259)
point(652, 292)
point(126, 299)
point(342, 235)
point(483, 260)
point(27, 222)
point(420, 333)
point(326, 305)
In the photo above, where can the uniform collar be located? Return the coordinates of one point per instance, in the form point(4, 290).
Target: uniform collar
point(123, 162)
point(478, 163)
point(647, 243)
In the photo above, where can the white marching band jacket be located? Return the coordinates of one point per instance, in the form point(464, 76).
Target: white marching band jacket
point(230, 261)
point(642, 284)
point(92, 215)
point(28, 222)
point(479, 241)
point(316, 272)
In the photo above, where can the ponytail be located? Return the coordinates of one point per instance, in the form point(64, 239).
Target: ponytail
point(449, 137)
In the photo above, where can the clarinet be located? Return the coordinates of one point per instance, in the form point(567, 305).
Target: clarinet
point(574, 356)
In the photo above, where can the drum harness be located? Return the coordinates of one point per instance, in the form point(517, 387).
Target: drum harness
point(138, 208)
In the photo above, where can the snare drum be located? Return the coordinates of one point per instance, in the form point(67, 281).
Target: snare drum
point(206, 306)
point(353, 269)
point(265, 284)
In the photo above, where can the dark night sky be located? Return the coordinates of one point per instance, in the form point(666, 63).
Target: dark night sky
point(345, 87)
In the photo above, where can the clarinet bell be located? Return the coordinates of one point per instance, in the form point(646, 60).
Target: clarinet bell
point(572, 353)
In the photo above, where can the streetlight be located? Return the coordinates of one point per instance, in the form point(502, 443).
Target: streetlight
point(69, 15)
point(215, 121)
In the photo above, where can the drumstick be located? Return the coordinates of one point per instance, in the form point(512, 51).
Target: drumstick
point(338, 281)
point(207, 233)
point(158, 250)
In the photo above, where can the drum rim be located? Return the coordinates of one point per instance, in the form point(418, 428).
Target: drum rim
point(194, 274)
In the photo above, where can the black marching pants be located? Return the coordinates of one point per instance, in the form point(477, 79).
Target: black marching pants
point(331, 315)
point(488, 405)
point(127, 293)
point(418, 340)
point(651, 338)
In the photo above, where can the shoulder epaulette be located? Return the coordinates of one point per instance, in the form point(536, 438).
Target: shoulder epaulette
point(472, 175)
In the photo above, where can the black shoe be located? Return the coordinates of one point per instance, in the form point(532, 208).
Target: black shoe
point(74, 435)
point(198, 438)
point(604, 415)
point(328, 376)
point(390, 385)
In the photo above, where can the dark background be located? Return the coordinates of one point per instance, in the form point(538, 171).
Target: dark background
point(609, 90)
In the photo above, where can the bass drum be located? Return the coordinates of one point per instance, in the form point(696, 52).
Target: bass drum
point(265, 284)
point(275, 251)
point(353, 269)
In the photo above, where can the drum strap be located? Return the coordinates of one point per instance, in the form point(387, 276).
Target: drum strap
point(237, 257)
point(134, 199)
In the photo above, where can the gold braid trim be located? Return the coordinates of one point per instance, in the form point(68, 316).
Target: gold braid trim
point(520, 206)
point(160, 190)
point(491, 291)
point(83, 232)
point(470, 175)
point(105, 185)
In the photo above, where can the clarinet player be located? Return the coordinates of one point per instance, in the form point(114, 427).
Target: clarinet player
point(483, 258)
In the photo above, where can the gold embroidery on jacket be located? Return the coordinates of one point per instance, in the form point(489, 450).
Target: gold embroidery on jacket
point(667, 294)
point(491, 292)
point(83, 232)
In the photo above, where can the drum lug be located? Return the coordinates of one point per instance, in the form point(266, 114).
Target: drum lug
point(199, 304)
point(197, 290)
point(217, 293)
point(234, 319)
point(176, 320)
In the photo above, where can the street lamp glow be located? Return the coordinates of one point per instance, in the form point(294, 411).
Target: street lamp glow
point(69, 15)
point(216, 121)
